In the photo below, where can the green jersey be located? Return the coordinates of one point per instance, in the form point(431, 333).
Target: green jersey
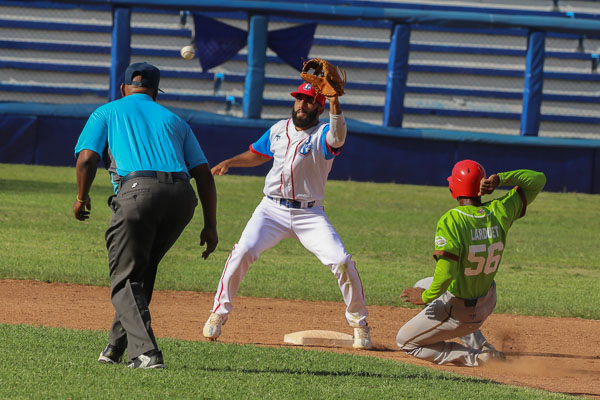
point(470, 240)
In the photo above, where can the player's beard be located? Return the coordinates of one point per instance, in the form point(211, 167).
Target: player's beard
point(305, 121)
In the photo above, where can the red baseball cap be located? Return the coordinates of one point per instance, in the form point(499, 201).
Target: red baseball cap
point(308, 89)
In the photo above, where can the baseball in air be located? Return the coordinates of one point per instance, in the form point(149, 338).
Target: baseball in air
point(188, 52)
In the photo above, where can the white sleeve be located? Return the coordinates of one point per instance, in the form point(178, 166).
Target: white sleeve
point(336, 136)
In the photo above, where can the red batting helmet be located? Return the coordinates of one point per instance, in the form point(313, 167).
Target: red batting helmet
point(465, 179)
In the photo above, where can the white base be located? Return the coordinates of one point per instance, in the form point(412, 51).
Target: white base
point(319, 338)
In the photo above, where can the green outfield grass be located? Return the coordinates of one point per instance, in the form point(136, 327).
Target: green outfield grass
point(56, 363)
point(550, 268)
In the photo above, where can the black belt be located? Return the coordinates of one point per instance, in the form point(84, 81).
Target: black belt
point(473, 302)
point(166, 177)
point(292, 203)
point(470, 302)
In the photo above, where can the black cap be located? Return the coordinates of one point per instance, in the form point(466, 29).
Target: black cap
point(150, 75)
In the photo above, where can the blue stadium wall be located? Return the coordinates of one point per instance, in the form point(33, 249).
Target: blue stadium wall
point(44, 134)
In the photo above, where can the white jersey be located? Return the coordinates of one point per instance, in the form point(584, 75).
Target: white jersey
point(302, 160)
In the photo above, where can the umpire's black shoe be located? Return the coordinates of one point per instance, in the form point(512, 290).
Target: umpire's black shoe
point(111, 355)
point(148, 360)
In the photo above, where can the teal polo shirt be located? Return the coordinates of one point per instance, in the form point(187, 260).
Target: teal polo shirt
point(142, 136)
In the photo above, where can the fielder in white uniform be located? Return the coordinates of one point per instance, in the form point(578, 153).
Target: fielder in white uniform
point(303, 149)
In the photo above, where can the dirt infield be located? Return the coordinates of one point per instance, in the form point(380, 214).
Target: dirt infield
point(555, 354)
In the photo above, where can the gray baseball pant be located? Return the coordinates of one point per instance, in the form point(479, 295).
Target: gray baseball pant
point(447, 317)
point(149, 214)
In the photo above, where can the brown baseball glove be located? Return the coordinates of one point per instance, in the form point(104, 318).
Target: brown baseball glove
point(326, 78)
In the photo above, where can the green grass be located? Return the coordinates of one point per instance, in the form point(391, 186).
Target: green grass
point(60, 363)
point(550, 267)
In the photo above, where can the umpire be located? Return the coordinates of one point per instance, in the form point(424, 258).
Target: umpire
point(153, 153)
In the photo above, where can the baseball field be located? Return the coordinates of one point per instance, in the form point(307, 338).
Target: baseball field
point(55, 308)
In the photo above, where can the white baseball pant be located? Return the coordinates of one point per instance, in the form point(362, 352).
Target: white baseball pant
point(270, 223)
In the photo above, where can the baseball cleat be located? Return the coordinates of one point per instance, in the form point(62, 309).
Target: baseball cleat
point(111, 355)
point(489, 355)
point(362, 338)
point(212, 327)
point(149, 360)
point(488, 346)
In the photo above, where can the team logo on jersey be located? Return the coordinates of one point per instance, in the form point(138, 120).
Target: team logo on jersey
point(278, 136)
point(440, 241)
point(306, 147)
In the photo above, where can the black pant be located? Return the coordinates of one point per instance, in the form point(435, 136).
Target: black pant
point(148, 217)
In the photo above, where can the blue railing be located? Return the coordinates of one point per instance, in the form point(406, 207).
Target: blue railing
point(538, 25)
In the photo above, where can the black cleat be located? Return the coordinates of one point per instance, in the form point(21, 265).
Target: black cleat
point(149, 360)
point(111, 355)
